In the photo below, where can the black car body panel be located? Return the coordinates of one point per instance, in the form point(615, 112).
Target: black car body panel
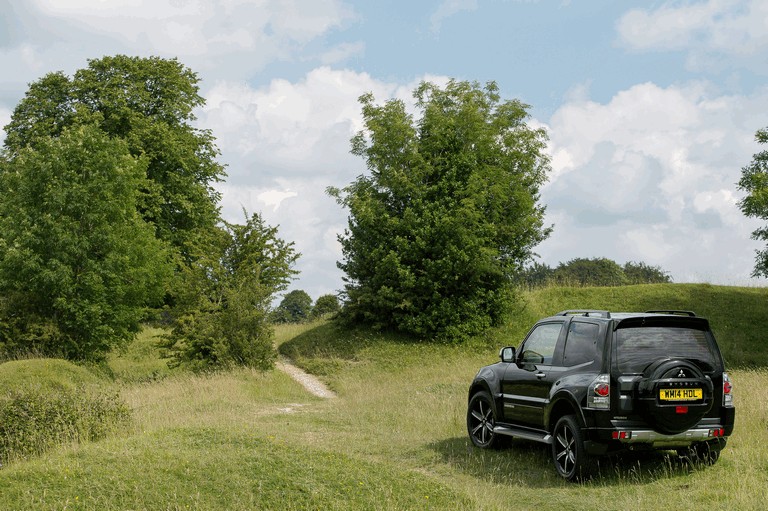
point(627, 381)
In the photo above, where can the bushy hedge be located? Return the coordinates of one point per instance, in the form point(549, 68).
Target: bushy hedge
point(62, 406)
point(600, 272)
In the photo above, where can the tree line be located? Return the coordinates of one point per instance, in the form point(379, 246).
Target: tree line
point(297, 307)
point(109, 218)
point(598, 271)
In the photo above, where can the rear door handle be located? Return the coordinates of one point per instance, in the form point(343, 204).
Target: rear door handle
point(540, 375)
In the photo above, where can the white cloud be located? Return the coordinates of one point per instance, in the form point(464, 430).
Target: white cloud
point(273, 198)
point(643, 118)
point(648, 244)
point(668, 26)
point(651, 175)
point(284, 144)
point(236, 38)
point(447, 9)
point(712, 32)
point(290, 128)
point(342, 52)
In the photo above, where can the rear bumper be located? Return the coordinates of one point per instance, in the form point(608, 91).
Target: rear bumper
point(624, 435)
point(646, 436)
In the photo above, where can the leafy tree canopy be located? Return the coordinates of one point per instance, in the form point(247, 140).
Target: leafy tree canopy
point(226, 297)
point(326, 305)
point(78, 264)
point(754, 181)
point(148, 103)
point(592, 272)
point(448, 214)
point(641, 273)
point(295, 307)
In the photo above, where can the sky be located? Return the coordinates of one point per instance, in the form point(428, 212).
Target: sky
point(651, 108)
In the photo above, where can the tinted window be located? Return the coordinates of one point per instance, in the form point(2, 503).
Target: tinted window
point(539, 348)
point(636, 348)
point(581, 344)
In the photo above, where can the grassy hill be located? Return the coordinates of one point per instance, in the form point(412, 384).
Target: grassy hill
point(395, 437)
point(738, 315)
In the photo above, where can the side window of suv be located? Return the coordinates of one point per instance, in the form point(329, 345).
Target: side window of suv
point(581, 344)
point(539, 347)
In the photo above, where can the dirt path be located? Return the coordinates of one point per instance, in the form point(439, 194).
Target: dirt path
point(309, 382)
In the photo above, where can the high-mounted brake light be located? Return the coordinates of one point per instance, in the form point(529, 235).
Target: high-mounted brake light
point(599, 393)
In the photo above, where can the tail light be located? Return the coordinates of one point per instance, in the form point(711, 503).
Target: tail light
point(599, 393)
point(727, 391)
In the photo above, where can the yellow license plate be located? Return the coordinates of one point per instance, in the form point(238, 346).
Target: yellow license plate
point(680, 394)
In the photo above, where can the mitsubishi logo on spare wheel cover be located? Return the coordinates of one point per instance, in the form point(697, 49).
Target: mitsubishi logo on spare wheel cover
point(681, 374)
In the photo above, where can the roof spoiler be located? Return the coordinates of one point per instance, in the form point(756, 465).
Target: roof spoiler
point(674, 313)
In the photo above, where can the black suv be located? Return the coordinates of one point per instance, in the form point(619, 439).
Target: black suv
point(592, 383)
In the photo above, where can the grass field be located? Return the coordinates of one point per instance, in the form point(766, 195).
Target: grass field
point(395, 437)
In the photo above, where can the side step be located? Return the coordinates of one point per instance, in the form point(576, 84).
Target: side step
point(526, 434)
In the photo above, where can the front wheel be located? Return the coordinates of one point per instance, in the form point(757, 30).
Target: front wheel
point(571, 459)
point(481, 421)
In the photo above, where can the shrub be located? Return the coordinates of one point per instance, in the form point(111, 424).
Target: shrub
point(222, 313)
point(45, 403)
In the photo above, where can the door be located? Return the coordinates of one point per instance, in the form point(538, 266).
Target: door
point(526, 383)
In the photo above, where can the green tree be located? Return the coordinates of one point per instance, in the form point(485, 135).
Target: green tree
point(295, 307)
point(326, 305)
point(149, 103)
point(754, 181)
point(78, 264)
point(226, 296)
point(641, 273)
point(448, 214)
point(590, 272)
point(536, 275)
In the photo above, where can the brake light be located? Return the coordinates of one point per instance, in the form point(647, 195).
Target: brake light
point(727, 390)
point(599, 393)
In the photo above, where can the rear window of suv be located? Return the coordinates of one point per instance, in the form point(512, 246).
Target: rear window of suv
point(638, 347)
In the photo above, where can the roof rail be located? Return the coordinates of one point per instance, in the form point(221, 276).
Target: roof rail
point(673, 312)
point(585, 312)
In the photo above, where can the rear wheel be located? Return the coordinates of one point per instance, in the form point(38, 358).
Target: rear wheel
point(703, 452)
point(481, 420)
point(571, 459)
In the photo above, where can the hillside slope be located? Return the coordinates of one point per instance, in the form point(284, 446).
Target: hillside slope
point(738, 315)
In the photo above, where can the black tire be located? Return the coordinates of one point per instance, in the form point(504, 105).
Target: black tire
point(706, 453)
point(571, 459)
point(481, 420)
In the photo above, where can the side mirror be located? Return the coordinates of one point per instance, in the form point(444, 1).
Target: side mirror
point(507, 354)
